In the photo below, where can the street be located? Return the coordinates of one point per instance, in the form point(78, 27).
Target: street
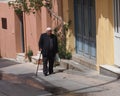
point(18, 79)
point(11, 85)
point(14, 85)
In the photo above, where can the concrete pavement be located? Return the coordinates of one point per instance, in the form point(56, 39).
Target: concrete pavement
point(64, 82)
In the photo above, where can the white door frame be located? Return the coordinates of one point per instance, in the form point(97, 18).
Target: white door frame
point(117, 32)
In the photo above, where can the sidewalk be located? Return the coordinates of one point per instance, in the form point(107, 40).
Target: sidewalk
point(65, 82)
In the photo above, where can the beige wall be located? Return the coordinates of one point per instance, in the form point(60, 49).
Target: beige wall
point(104, 32)
point(68, 14)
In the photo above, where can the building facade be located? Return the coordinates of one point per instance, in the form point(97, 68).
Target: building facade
point(94, 30)
point(93, 34)
point(22, 32)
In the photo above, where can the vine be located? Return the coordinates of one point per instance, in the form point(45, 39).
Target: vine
point(63, 52)
point(28, 6)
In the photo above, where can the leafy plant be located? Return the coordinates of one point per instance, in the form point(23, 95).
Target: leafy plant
point(29, 54)
point(63, 53)
point(28, 6)
point(67, 25)
point(68, 55)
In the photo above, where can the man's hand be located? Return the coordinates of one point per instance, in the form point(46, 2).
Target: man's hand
point(40, 49)
point(40, 61)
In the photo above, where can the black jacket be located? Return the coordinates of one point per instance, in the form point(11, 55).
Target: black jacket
point(44, 44)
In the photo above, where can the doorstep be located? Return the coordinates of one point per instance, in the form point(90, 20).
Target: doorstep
point(110, 70)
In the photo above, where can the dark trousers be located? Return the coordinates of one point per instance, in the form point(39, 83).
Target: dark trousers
point(48, 62)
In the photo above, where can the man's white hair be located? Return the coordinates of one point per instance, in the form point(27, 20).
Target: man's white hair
point(48, 29)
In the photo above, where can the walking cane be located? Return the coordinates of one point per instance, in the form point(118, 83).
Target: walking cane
point(39, 62)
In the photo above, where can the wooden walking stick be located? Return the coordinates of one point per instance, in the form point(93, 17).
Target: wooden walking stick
point(39, 62)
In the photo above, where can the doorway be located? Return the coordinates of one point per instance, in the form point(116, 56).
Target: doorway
point(85, 28)
point(22, 33)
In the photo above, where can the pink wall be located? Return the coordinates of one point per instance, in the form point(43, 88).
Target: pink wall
point(18, 38)
point(38, 25)
point(7, 36)
point(43, 19)
point(34, 25)
point(31, 32)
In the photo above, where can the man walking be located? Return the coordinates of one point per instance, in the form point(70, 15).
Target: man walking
point(48, 46)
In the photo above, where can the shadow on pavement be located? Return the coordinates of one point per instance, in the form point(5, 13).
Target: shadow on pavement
point(6, 62)
point(58, 91)
point(20, 85)
point(42, 88)
point(42, 84)
point(85, 91)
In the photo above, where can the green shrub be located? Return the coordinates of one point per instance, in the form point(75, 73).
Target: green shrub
point(29, 54)
point(63, 53)
point(68, 55)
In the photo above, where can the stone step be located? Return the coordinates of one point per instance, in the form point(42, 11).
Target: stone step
point(20, 57)
point(79, 63)
point(36, 58)
point(110, 70)
point(38, 53)
point(71, 64)
point(90, 63)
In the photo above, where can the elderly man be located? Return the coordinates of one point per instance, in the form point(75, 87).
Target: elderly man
point(48, 46)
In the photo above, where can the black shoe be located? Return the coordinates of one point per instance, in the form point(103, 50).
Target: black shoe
point(51, 73)
point(46, 74)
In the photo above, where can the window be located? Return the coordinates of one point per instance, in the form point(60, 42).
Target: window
point(4, 23)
